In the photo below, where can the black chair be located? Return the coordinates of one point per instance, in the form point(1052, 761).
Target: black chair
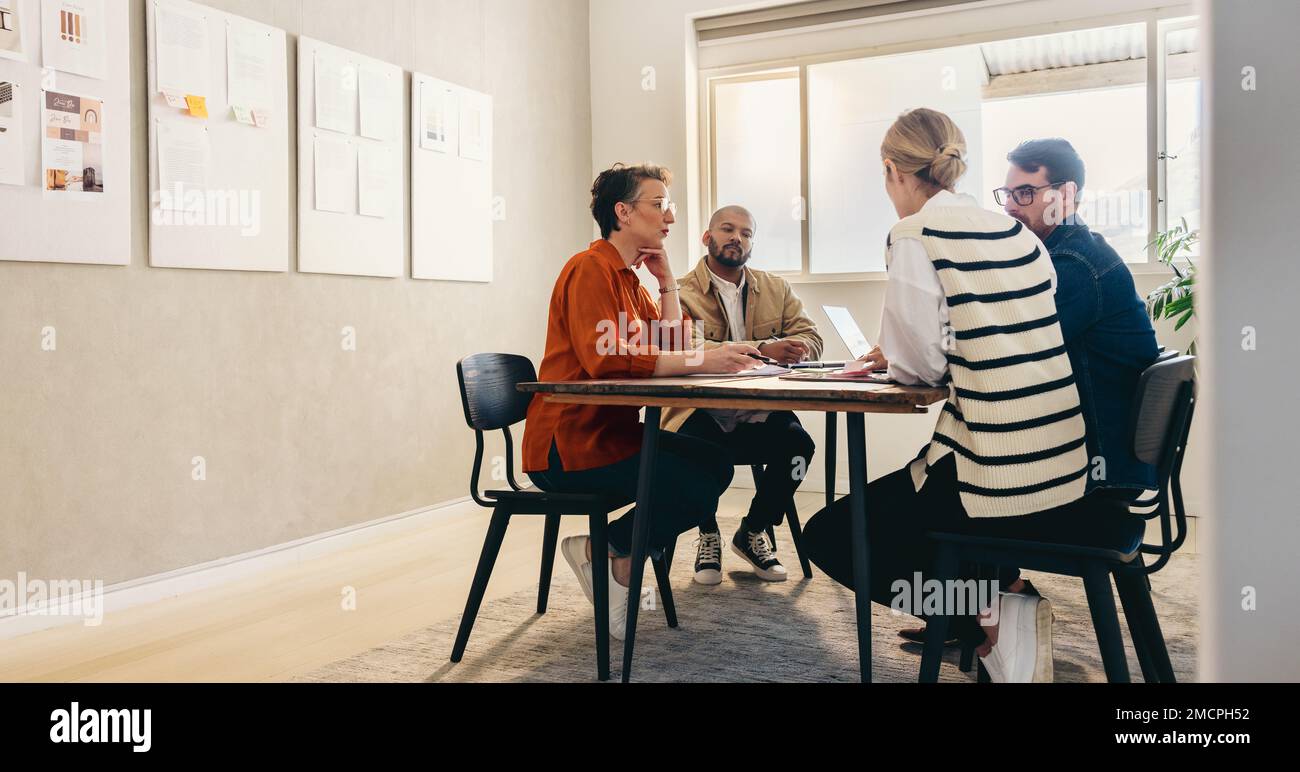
point(983, 572)
point(1166, 397)
point(491, 399)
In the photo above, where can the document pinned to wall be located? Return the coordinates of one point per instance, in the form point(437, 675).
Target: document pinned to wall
point(377, 180)
point(336, 94)
point(248, 70)
point(438, 118)
point(379, 102)
point(184, 164)
point(351, 175)
point(475, 126)
point(333, 167)
point(183, 52)
point(73, 146)
point(73, 36)
point(11, 134)
point(451, 182)
point(11, 30)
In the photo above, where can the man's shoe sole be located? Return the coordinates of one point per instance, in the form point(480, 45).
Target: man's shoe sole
point(762, 573)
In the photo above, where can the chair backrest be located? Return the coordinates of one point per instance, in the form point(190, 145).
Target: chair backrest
point(1165, 389)
point(1166, 398)
point(488, 389)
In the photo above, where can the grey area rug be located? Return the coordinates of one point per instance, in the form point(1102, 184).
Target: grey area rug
point(743, 630)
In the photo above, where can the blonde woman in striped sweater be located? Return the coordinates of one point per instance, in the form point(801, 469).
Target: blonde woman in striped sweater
point(970, 303)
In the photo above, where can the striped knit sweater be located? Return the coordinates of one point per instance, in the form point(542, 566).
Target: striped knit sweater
point(1013, 417)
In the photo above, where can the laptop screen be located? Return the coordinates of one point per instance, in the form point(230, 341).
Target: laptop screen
point(848, 329)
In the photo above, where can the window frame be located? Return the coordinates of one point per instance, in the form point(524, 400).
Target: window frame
point(711, 181)
point(1162, 28)
point(798, 67)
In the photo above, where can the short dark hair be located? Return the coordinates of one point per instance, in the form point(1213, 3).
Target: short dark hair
point(1062, 162)
point(620, 183)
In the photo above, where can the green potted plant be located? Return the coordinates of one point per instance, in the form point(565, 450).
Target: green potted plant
point(1176, 298)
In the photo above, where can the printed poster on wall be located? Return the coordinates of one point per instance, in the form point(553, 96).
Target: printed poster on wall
point(11, 31)
point(72, 147)
point(439, 120)
point(11, 140)
point(73, 36)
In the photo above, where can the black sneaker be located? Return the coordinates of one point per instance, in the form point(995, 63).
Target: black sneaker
point(757, 551)
point(708, 557)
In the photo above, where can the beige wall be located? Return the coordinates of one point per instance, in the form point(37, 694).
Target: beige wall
point(154, 367)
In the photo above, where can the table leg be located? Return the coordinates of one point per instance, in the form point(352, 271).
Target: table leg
point(857, 439)
point(641, 519)
point(832, 424)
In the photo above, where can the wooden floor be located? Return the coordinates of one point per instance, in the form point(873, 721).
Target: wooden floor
point(276, 625)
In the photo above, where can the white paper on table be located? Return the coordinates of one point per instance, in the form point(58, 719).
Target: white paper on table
point(475, 126)
point(333, 167)
point(438, 118)
point(73, 37)
point(378, 103)
point(336, 94)
point(183, 59)
point(248, 66)
point(757, 372)
point(184, 162)
point(11, 134)
point(11, 30)
point(376, 180)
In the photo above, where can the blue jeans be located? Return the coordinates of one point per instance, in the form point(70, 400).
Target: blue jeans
point(690, 476)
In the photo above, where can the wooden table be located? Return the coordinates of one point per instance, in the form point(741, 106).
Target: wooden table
point(830, 397)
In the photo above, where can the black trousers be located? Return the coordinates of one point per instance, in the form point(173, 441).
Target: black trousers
point(690, 476)
point(779, 443)
point(899, 517)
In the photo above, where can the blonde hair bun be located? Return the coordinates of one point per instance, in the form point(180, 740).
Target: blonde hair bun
point(927, 143)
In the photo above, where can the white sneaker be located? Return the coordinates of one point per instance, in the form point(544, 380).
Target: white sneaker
point(708, 558)
point(574, 549)
point(575, 553)
point(1023, 653)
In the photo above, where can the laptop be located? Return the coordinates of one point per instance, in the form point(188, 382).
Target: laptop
point(848, 329)
point(849, 332)
point(858, 345)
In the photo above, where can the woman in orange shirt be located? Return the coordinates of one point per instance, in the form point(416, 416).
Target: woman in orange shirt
point(604, 324)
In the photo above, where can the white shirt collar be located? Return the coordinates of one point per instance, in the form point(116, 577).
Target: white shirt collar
point(947, 198)
point(723, 285)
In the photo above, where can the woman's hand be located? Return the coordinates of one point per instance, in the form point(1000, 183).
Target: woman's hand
point(729, 358)
point(875, 359)
point(656, 262)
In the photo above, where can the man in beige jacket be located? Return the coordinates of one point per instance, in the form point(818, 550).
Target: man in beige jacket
point(729, 302)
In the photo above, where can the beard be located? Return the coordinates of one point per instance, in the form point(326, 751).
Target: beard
point(729, 255)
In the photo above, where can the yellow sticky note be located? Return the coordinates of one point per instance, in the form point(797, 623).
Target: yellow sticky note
point(198, 106)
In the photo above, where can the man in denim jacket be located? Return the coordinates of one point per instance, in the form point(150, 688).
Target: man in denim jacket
point(1107, 333)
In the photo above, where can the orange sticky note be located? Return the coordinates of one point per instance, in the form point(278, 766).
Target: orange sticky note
point(198, 106)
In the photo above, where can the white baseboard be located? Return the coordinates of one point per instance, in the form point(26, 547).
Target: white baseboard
point(203, 576)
